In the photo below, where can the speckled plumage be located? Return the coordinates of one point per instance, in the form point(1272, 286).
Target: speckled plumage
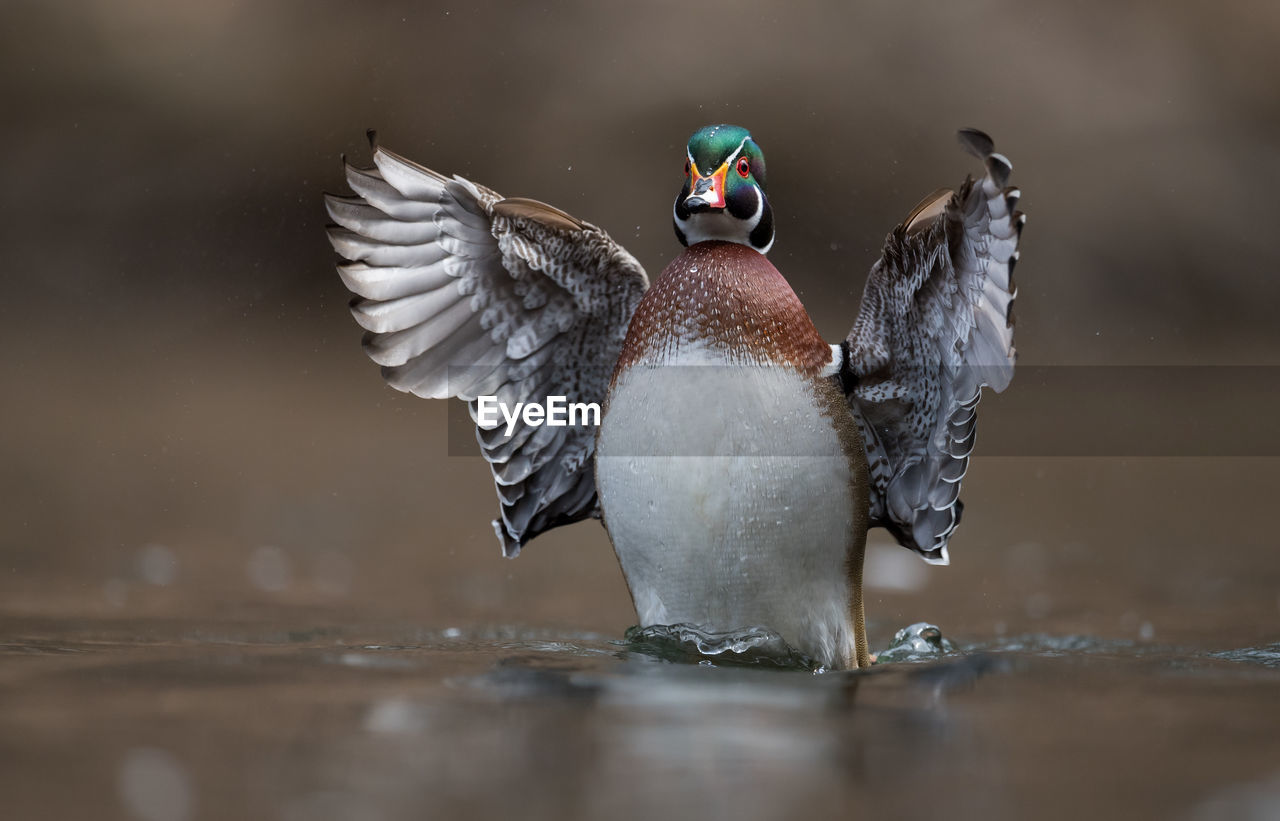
point(727, 294)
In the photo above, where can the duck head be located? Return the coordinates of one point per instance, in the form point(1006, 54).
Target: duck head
point(723, 195)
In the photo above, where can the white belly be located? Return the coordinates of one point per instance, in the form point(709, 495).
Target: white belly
point(744, 518)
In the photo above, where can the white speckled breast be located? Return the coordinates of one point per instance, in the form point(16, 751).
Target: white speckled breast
point(727, 496)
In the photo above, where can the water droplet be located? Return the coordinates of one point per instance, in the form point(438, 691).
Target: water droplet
point(394, 716)
point(115, 592)
point(332, 573)
point(889, 567)
point(269, 569)
point(154, 785)
point(157, 564)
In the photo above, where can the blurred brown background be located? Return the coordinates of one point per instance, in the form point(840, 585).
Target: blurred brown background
point(190, 429)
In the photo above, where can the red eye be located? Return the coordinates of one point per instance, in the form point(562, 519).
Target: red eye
point(744, 167)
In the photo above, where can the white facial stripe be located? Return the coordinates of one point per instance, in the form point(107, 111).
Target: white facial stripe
point(755, 222)
point(755, 218)
point(737, 150)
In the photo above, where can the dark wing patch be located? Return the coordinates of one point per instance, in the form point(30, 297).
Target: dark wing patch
point(922, 216)
point(463, 293)
point(934, 328)
point(548, 215)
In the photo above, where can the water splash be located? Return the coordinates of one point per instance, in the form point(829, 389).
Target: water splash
point(754, 646)
point(918, 642)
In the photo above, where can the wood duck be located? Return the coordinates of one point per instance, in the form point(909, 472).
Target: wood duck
point(740, 458)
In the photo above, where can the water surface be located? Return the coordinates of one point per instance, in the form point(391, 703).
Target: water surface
point(148, 720)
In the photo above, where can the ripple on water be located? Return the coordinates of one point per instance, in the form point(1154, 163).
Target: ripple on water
point(920, 642)
point(1267, 656)
point(754, 646)
point(1045, 644)
point(759, 646)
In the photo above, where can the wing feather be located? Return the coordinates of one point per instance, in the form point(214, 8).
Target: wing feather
point(373, 189)
point(364, 219)
point(406, 311)
point(387, 282)
point(430, 376)
point(357, 247)
point(397, 348)
point(463, 293)
point(935, 327)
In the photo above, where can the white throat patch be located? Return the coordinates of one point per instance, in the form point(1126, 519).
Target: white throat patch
point(722, 225)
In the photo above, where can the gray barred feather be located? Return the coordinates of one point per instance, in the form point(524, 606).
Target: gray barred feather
point(463, 293)
point(935, 327)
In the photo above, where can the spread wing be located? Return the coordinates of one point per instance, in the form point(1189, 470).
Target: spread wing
point(463, 293)
point(935, 326)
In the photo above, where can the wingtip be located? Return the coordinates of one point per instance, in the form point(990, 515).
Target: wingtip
point(329, 200)
point(335, 233)
point(938, 557)
point(980, 145)
point(510, 545)
point(976, 142)
point(999, 167)
point(371, 134)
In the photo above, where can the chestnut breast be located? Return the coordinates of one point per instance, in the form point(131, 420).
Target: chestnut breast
point(728, 297)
